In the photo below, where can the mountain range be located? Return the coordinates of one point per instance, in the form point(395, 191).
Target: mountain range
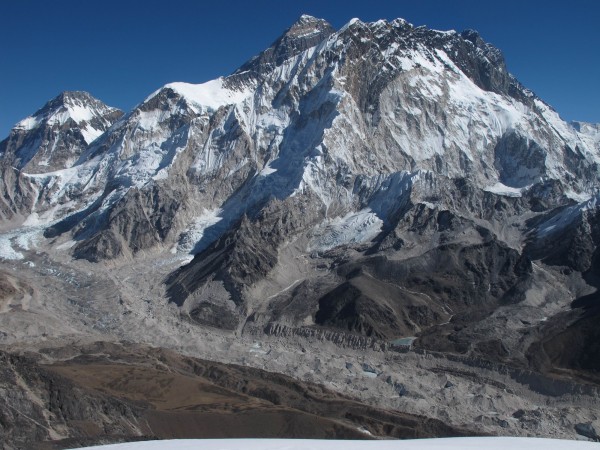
point(387, 194)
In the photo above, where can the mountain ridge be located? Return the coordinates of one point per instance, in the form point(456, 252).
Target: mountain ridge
point(380, 183)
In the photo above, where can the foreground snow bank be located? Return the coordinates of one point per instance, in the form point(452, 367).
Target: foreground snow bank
point(493, 443)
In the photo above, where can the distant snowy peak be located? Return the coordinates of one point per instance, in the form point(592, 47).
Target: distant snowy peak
point(89, 114)
point(55, 136)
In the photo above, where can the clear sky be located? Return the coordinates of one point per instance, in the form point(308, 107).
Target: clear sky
point(122, 50)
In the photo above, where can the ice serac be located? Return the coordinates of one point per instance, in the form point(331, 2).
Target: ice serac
point(381, 181)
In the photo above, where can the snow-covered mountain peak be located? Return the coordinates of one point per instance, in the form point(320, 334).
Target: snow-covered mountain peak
point(306, 20)
point(75, 98)
point(294, 121)
point(400, 22)
point(305, 33)
point(472, 36)
point(354, 21)
point(306, 24)
point(87, 112)
point(359, 188)
point(54, 136)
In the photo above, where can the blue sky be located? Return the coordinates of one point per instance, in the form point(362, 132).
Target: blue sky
point(121, 51)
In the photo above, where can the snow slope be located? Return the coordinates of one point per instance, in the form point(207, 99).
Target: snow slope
point(207, 96)
point(495, 443)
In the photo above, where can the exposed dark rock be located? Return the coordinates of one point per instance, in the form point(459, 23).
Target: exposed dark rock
point(587, 430)
point(140, 220)
point(305, 33)
point(518, 160)
point(244, 255)
point(365, 306)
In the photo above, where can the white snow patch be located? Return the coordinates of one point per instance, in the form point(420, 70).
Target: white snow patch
point(12, 242)
point(502, 189)
point(476, 117)
point(28, 123)
point(66, 245)
point(90, 134)
point(445, 32)
point(32, 220)
point(307, 34)
point(27, 238)
point(6, 248)
point(368, 374)
point(210, 95)
point(257, 348)
point(149, 120)
point(353, 228)
point(577, 196)
point(284, 289)
point(352, 22)
point(195, 231)
point(267, 170)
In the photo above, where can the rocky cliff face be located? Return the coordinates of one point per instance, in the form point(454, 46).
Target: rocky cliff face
point(383, 180)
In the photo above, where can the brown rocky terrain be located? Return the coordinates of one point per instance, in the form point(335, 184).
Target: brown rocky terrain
point(63, 397)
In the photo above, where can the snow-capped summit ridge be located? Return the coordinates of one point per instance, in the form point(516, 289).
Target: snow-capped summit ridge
point(56, 135)
point(305, 33)
point(355, 21)
point(305, 27)
point(299, 115)
point(209, 95)
point(78, 106)
point(306, 18)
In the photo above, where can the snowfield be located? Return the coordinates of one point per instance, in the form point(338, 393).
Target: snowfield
point(487, 443)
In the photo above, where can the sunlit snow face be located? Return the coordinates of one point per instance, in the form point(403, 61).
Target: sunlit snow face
point(81, 114)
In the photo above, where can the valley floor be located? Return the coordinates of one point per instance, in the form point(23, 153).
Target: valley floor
point(56, 309)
